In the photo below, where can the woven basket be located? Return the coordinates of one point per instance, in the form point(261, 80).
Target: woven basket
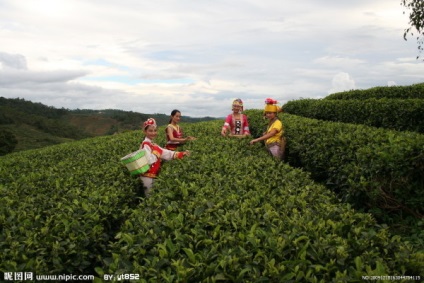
point(136, 162)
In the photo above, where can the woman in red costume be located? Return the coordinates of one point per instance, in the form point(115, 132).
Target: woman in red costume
point(236, 122)
point(155, 154)
point(174, 133)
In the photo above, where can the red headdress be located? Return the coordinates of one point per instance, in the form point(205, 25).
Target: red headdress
point(270, 101)
point(271, 106)
point(149, 122)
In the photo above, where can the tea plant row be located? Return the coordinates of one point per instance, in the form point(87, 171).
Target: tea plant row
point(231, 213)
point(61, 206)
point(395, 114)
point(415, 91)
point(228, 212)
point(367, 166)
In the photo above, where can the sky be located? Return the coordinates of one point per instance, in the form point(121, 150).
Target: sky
point(197, 56)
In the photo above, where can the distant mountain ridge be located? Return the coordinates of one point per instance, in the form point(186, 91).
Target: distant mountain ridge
point(30, 125)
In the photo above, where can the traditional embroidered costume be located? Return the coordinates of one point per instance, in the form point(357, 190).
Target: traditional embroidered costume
point(177, 132)
point(154, 154)
point(237, 126)
point(273, 137)
point(276, 143)
point(236, 122)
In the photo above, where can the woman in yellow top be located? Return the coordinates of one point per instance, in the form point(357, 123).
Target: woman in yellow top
point(273, 136)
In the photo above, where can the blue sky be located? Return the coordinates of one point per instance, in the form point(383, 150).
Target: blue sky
point(198, 56)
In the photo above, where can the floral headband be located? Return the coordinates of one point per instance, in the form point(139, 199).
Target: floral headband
point(238, 102)
point(149, 122)
point(270, 101)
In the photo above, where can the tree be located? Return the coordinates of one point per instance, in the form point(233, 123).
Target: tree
point(8, 142)
point(416, 20)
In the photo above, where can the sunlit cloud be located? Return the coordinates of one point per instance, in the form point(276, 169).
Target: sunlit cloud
point(342, 82)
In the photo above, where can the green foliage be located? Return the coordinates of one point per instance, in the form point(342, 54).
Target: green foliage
point(372, 168)
point(395, 114)
point(416, 21)
point(51, 126)
point(35, 125)
point(379, 170)
point(229, 212)
point(132, 120)
point(48, 125)
point(33, 108)
point(8, 141)
point(4, 119)
point(61, 206)
point(127, 119)
point(232, 213)
point(415, 91)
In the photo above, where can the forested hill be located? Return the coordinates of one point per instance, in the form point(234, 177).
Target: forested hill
point(29, 125)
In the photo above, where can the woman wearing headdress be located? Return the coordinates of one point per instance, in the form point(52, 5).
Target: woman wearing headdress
point(174, 133)
point(155, 154)
point(273, 136)
point(236, 123)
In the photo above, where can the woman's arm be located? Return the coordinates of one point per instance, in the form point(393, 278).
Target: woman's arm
point(170, 154)
point(265, 136)
point(227, 125)
point(246, 126)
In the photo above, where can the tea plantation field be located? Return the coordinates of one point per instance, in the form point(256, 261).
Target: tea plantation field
point(368, 147)
point(227, 213)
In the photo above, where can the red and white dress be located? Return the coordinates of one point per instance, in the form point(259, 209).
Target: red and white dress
point(237, 126)
point(155, 154)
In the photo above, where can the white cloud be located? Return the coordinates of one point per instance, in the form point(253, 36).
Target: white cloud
point(342, 82)
point(154, 56)
point(338, 62)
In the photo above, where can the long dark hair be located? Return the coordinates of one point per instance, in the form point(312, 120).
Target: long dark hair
point(175, 111)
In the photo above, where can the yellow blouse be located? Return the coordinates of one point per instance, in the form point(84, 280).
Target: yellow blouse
point(278, 125)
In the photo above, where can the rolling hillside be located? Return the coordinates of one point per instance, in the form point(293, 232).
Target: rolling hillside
point(28, 125)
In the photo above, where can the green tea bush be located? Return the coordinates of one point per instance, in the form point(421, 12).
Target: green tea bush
point(8, 141)
point(402, 92)
point(395, 114)
point(231, 213)
point(369, 167)
point(61, 204)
